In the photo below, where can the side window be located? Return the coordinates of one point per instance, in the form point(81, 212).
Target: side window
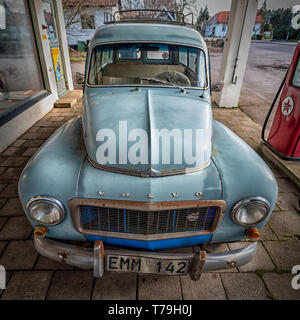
point(95, 66)
point(202, 71)
point(193, 59)
point(296, 76)
point(92, 69)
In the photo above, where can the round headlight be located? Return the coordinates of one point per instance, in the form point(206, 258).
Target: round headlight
point(250, 211)
point(46, 210)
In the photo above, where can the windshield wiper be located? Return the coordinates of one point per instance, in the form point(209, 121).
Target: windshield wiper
point(165, 82)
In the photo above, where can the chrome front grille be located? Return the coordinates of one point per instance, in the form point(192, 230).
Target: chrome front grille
point(146, 220)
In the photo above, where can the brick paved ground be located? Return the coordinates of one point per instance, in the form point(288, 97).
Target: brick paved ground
point(31, 276)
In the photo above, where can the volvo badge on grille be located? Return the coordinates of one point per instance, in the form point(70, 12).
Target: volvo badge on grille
point(192, 217)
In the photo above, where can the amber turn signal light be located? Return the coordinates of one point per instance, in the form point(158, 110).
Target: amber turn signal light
point(40, 231)
point(253, 233)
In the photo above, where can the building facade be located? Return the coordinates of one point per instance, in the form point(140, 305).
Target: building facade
point(34, 63)
point(82, 18)
point(217, 25)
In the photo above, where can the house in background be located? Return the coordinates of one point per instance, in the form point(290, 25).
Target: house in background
point(217, 25)
point(83, 17)
point(257, 28)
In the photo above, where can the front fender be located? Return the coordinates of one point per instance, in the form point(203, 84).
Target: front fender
point(243, 174)
point(54, 170)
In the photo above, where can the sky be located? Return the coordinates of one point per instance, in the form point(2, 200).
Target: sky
point(215, 6)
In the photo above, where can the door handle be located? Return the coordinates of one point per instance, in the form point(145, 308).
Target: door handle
point(51, 69)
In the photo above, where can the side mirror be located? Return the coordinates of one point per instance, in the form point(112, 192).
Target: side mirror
point(217, 86)
point(80, 78)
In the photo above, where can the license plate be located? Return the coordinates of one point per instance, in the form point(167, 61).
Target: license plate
point(146, 265)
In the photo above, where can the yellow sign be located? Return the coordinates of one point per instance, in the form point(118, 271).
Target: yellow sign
point(57, 64)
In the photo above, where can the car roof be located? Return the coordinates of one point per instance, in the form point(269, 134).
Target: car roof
point(154, 32)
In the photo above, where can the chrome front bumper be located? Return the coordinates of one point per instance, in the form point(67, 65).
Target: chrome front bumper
point(95, 259)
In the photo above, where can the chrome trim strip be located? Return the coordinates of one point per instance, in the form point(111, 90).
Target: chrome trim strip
point(143, 174)
point(145, 206)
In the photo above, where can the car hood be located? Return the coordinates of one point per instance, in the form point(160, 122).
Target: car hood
point(150, 132)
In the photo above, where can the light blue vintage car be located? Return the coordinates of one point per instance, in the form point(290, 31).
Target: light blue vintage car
point(146, 168)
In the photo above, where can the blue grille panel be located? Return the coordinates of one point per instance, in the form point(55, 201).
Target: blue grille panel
point(147, 222)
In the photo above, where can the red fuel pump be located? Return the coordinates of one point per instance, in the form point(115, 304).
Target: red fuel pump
point(284, 135)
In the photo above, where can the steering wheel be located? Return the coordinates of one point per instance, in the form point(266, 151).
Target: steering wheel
point(175, 77)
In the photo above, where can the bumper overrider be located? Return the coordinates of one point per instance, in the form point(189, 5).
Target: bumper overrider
point(100, 260)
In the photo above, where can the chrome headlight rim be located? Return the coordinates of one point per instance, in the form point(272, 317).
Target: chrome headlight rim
point(246, 201)
point(48, 199)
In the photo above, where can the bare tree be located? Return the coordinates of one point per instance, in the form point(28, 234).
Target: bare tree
point(202, 19)
point(76, 13)
point(72, 14)
point(186, 6)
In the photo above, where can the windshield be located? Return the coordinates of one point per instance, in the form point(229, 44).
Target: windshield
point(144, 64)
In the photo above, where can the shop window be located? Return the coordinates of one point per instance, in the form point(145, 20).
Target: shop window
point(87, 21)
point(20, 73)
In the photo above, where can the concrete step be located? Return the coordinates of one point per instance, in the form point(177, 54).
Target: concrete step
point(69, 99)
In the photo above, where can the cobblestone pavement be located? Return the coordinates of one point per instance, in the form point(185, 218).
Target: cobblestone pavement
point(31, 276)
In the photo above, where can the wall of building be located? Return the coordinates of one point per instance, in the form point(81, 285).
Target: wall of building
point(220, 30)
point(216, 30)
point(257, 28)
point(75, 33)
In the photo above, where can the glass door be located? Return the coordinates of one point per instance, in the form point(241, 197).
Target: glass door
point(48, 10)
